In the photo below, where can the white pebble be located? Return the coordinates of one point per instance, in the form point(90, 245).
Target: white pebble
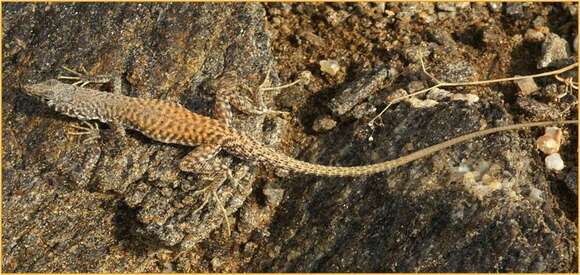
point(554, 162)
point(329, 66)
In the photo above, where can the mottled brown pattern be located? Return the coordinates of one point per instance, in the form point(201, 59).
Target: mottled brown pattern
point(171, 123)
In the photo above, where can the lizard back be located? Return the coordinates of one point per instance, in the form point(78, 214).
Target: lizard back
point(160, 120)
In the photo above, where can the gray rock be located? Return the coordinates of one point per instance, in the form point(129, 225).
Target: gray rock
point(457, 72)
point(555, 52)
point(515, 9)
point(359, 90)
point(572, 181)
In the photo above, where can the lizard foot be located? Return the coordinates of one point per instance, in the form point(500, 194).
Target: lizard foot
point(83, 77)
point(211, 192)
point(91, 130)
point(304, 79)
point(265, 86)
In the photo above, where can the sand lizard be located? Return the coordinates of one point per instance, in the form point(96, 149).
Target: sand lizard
point(169, 122)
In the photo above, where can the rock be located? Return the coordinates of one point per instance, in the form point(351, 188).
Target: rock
point(537, 109)
point(359, 90)
point(555, 52)
point(468, 98)
point(554, 162)
point(329, 66)
point(515, 9)
point(460, 71)
point(323, 124)
point(534, 36)
point(334, 18)
point(447, 6)
point(312, 38)
point(527, 86)
point(273, 196)
point(495, 6)
point(438, 94)
point(550, 142)
point(415, 53)
point(571, 180)
point(539, 22)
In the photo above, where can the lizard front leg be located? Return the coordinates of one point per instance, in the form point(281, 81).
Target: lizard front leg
point(83, 78)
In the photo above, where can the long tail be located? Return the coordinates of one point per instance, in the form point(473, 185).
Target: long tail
point(270, 157)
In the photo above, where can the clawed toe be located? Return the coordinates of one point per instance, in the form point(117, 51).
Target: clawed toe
point(90, 130)
point(83, 77)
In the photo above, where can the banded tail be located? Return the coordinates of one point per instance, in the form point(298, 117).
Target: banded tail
point(269, 157)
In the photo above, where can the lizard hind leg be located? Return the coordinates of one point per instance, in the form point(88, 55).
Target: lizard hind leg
point(203, 161)
point(91, 130)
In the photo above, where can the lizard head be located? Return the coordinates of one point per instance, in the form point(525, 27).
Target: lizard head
point(44, 90)
point(50, 91)
point(68, 99)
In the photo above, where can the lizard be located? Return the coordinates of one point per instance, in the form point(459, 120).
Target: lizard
point(170, 122)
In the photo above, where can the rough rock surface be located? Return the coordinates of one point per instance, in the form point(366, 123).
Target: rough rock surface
point(486, 205)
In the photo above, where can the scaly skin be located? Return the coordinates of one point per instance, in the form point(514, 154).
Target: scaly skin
point(169, 122)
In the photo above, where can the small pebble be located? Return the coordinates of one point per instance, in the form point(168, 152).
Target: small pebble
point(419, 104)
point(554, 162)
point(492, 36)
point(571, 181)
point(362, 110)
point(329, 66)
point(250, 248)
point(313, 39)
point(536, 194)
point(527, 86)
point(534, 36)
point(441, 37)
point(216, 263)
point(515, 9)
point(438, 94)
point(305, 77)
point(323, 124)
point(539, 22)
point(273, 196)
point(495, 6)
point(398, 93)
point(550, 142)
point(446, 6)
point(461, 71)
point(555, 51)
point(468, 98)
point(416, 53)
point(415, 86)
point(334, 18)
